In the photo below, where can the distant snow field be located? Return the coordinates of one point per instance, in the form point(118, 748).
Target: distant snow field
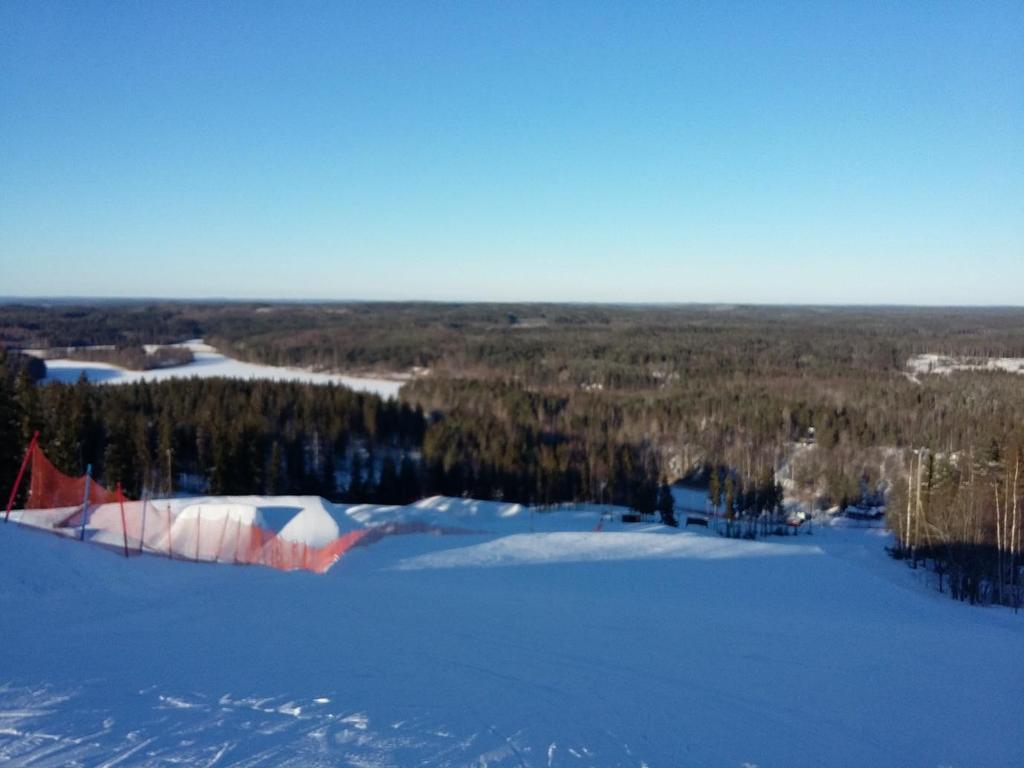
point(209, 363)
point(535, 640)
point(942, 364)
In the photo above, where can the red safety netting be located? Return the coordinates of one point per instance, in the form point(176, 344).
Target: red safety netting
point(211, 530)
point(51, 488)
point(208, 533)
point(223, 533)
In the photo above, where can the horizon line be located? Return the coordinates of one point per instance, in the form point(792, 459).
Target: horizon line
point(70, 298)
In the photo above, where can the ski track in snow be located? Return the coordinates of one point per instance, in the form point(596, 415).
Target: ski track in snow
point(226, 731)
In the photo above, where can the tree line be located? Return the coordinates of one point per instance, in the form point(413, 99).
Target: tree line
point(132, 357)
point(226, 436)
point(550, 403)
point(961, 514)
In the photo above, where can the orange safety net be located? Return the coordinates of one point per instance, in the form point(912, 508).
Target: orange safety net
point(137, 527)
point(156, 529)
point(50, 488)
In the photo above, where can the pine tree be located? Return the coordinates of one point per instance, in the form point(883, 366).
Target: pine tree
point(387, 486)
point(715, 489)
point(274, 472)
point(356, 490)
point(667, 506)
point(408, 481)
point(11, 446)
point(165, 453)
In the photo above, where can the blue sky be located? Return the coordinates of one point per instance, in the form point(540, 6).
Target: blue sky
point(752, 152)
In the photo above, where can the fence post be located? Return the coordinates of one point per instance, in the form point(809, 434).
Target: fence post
point(85, 502)
point(21, 473)
point(170, 553)
point(142, 526)
point(124, 526)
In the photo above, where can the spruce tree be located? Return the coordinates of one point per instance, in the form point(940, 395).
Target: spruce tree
point(387, 486)
point(667, 506)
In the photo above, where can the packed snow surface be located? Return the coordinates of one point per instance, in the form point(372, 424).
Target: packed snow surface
point(535, 641)
point(208, 363)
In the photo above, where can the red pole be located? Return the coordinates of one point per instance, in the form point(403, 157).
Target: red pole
point(124, 527)
point(21, 473)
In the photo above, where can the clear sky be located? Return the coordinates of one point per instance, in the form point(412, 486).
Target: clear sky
point(808, 152)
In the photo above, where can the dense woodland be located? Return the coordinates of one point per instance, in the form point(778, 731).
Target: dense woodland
point(220, 435)
point(545, 403)
point(631, 347)
point(226, 436)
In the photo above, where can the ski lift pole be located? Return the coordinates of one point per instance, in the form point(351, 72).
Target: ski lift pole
point(85, 502)
point(21, 473)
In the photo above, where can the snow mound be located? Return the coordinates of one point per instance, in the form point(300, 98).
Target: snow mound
point(485, 516)
point(549, 548)
point(284, 531)
point(307, 532)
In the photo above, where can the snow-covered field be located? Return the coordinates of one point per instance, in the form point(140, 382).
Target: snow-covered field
point(536, 641)
point(931, 363)
point(208, 363)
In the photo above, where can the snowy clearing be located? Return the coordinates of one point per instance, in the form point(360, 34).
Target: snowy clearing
point(942, 364)
point(210, 363)
point(536, 641)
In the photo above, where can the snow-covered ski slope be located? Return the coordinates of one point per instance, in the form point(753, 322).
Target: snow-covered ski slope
point(535, 642)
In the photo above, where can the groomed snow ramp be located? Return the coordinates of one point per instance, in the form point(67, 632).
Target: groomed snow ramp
point(245, 533)
point(233, 532)
point(287, 533)
point(212, 531)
